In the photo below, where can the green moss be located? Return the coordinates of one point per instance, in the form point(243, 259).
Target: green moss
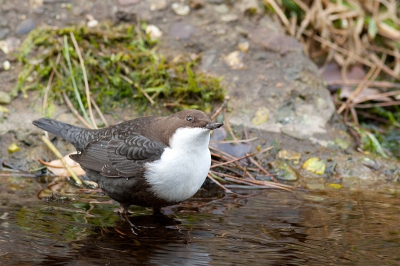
point(122, 65)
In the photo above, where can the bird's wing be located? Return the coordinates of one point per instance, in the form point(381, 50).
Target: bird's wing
point(119, 155)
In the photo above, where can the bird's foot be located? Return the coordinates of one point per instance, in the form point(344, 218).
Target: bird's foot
point(124, 214)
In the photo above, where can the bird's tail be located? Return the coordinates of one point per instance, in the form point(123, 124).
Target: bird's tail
point(73, 134)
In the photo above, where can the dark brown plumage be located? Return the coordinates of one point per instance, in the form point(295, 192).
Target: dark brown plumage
point(116, 157)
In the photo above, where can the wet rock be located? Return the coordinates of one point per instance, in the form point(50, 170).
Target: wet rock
point(315, 184)
point(4, 33)
point(315, 165)
point(284, 171)
point(25, 26)
point(180, 9)
point(235, 60)
point(128, 2)
point(223, 9)
point(275, 42)
point(158, 5)
point(229, 17)
point(290, 156)
point(4, 98)
point(181, 30)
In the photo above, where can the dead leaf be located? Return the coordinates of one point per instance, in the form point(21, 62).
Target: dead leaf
point(57, 167)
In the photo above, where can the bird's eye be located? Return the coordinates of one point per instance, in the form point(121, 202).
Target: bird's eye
point(189, 118)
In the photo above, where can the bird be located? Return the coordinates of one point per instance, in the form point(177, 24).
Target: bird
point(150, 161)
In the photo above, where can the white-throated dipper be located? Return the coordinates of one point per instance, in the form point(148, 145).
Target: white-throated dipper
point(149, 161)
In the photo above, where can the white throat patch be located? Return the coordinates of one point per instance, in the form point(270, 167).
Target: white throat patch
point(183, 167)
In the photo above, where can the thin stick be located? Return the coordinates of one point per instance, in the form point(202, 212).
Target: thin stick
point(46, 92)
point(359, 89)
point(78, 51)
point(232, 141)
point(78, 97)
point(140, 89)
point(228, 125)
point(219, 184)
point(223, 106)
point(261, 183)
point(354, 82)
point(262, 169)
point(58, 154)
point(241, 158)
point(99, 111)
point(74, 111)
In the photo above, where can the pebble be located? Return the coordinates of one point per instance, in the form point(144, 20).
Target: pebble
point(223, 9)
point(235, 60)
point(229, 17)
point(4, 33)
point(216, 2)
point(128, 2)
point(197, 4)
point(181, 30)
point(92, 23)
point(180, 9)
point(6, 65)
point(244, 45)
point(154, 32)
point(25, 26)
point(158, 5)
point(4, 98)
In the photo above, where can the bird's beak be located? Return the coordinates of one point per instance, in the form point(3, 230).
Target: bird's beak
point(212, 126)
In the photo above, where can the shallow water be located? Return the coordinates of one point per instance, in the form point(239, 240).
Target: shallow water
point(263, 227)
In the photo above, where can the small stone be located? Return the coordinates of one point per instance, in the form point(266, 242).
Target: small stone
point(180, 9)
point(128, 2)
point(229, 17)
point(4, 33)
point(223, 9)
point(25, 26)
point(244, 45)
point(126, 16)
point(158, 5)
point(261, 116)
point(216, 2)
point(6, 65)
point(249, 7)
point(181, 30)
point(196, 4)
point(4, 98)
point(235, 60)
point(92, 23)
point(154, 32)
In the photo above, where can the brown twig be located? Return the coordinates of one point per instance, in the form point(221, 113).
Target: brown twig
point(219, 184)
point(138, 87)
point(74, 111)
point(223, 106)
point(241, 158)
point(87, 90)
point(99, 111)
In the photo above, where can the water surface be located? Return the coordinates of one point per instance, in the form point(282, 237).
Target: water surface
point(261, 227)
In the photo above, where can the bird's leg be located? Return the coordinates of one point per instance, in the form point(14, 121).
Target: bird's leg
point(123, 212)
